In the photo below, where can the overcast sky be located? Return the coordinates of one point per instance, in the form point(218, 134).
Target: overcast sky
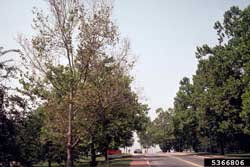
point(163, 35)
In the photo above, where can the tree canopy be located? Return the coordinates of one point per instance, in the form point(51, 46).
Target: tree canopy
point(211, 110)
point(76, 81)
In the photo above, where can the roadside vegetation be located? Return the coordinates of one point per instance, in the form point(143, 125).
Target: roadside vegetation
point(117, 162)
point(211, 110)
point(74, 97)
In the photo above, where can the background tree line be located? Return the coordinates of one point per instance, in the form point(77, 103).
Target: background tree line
point(75, 98)
point(211, 111)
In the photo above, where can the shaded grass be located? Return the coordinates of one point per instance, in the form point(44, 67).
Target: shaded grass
point(124, 161)
point(118, 162)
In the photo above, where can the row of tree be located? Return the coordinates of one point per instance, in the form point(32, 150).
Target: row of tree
point(75, 97)
point(212, 111)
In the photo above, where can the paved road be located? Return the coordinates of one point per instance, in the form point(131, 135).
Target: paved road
point(172, 160)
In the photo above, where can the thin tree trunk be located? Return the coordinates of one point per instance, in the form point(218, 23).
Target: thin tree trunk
point(93, 154)
point(49, 163)
point(222, 150)
point(106, 155)
point(69, 135)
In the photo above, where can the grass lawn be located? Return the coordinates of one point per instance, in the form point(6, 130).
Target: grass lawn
point(117, 162)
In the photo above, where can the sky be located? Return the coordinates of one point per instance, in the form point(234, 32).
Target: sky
point(164, 35)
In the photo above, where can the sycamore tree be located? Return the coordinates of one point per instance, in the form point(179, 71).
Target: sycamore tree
point(59, 57)
point(110, 105)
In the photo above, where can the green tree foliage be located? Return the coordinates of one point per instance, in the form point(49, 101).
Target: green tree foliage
point(146, 138)
point(77, 72)
point(28, 135)
point(52, 152)
point(163, 131)
point(8, 118)
point(224, 69)
point(159, 131)
point(69, 43)
point(111, 109)
point(212, 112)
point(20, 130)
